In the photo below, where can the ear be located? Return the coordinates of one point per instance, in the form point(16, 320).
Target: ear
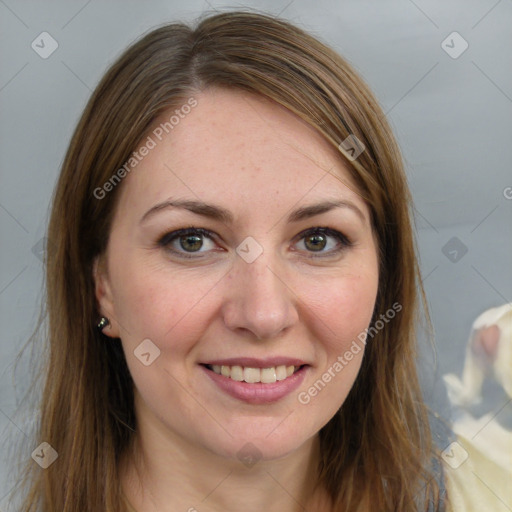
point(104, 297)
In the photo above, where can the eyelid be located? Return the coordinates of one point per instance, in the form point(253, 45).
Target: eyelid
point(345, 242)
point(172, 235)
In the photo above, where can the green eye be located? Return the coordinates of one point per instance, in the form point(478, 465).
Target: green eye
point(317, 239)
point(190, 240)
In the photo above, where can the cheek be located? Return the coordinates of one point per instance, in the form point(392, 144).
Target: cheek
point(155, 303)
point(166, 308)
point(340, 314)
point(344, 309)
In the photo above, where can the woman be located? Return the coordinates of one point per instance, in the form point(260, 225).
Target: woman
point(232, 291)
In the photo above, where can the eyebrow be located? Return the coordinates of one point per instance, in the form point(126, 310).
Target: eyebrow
point(221, 214)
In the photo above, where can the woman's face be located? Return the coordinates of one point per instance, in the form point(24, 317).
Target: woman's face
point(252, 291)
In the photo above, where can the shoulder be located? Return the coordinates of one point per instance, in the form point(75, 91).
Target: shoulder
point(473, 481)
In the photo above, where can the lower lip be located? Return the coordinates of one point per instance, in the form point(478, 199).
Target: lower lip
point(258, 393)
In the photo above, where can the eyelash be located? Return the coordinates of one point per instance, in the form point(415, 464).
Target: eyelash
point(166, 240)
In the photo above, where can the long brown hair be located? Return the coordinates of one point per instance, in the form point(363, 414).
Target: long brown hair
point(376, 452)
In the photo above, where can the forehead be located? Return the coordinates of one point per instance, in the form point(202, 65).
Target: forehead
point(239, 149)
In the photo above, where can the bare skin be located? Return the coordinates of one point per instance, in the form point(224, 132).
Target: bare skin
point(303, 297)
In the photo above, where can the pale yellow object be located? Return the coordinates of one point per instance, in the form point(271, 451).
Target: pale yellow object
point(478, 484)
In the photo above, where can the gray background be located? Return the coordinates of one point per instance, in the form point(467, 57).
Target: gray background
point(452, 118)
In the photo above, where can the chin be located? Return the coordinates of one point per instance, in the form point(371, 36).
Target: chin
point(252, 445)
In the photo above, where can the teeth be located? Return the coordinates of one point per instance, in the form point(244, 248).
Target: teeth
point(253, 375)
point(237, 373)
point(281, 372)
point(268, 375)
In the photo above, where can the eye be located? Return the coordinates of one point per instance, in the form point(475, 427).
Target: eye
point(187, 240)
point(315, 240)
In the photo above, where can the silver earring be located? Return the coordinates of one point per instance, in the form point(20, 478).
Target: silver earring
point(104, 322)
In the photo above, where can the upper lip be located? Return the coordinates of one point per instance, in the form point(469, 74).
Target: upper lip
point(252, 362)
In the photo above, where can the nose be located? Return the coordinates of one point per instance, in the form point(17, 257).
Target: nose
point(258, 299)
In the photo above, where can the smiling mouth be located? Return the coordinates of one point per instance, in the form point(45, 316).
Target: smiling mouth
point(254, 375)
